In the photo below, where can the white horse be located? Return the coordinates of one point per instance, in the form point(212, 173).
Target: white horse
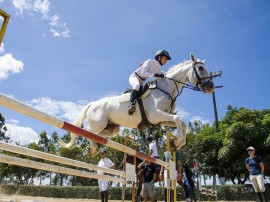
point(105, 116)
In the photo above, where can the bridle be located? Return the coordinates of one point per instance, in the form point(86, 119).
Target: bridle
point(185, 85)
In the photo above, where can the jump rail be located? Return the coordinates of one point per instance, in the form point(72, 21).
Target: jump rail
point(58, 159)
point(41, 116)
point(57, 169)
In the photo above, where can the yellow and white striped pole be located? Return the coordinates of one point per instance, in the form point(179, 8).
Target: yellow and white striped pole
point(168, 170)
point(169, 135)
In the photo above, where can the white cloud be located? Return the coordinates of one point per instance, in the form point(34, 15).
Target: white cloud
point(42, 7)
point(198, 118)
point(182, 113)
point(9, 65)
point(21, 5)
point(24, 135)
point(61, 109)
point(58, 28)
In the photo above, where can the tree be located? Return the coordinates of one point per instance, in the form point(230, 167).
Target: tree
point(203, 144)
point(242, 128)
point(3, 130)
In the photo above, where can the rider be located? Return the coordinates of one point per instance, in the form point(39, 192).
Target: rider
point(149, 68)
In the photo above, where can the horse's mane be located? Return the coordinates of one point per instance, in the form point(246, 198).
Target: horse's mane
point(172, 69)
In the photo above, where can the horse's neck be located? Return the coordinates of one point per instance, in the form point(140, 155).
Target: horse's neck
point(179, 75)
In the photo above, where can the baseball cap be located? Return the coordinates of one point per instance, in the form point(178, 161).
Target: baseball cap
point(102, 151)
point(251, 148)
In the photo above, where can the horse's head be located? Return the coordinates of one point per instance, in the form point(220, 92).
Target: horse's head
point(199, 76)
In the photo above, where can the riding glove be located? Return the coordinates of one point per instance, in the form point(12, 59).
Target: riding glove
point(159, 75)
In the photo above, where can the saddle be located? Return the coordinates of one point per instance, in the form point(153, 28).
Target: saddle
point(143, 92)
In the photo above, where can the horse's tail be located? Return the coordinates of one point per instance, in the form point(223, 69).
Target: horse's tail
point(78, 123)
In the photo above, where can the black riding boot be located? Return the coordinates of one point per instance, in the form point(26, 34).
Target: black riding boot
point(264, 196)
point(132, 107)
point(259, 196)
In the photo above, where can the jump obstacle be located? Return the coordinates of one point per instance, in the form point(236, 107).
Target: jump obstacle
point(41, 116)
point(57, 159)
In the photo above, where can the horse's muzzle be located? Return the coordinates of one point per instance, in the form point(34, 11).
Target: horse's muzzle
point(208, 87)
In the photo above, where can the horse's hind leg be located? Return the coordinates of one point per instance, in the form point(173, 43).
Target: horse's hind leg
point(108, 131)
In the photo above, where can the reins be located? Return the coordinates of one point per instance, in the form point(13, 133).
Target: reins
point(179, 91)
point(185, 85)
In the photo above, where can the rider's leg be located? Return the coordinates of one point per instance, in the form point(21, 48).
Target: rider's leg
point(135, 83)
point(133, 97)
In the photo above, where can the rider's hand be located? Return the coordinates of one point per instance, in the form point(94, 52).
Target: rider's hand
point(159, 75)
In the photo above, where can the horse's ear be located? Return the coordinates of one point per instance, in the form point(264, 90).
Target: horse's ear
point(192, 57)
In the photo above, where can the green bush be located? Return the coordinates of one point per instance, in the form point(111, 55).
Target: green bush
point(225, 192)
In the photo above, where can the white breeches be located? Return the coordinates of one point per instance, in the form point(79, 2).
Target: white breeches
point(257, 182)
point(103, 185)
point(135, 82)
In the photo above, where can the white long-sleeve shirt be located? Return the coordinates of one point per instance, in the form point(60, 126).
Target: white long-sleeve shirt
point(148, 69)
point(105, 163)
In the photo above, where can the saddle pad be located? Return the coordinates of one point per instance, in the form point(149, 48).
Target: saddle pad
point(126, 97)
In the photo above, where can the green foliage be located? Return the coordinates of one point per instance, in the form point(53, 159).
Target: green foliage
point(223, 152)
point(3, 130)
point(242, 128)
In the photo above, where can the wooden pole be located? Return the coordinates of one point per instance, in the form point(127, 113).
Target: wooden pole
point(54, 158)
point(57, 169)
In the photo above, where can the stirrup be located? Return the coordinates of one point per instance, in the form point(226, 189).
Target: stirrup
point(132, 108)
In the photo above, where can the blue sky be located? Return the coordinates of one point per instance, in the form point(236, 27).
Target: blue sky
point(57, 55)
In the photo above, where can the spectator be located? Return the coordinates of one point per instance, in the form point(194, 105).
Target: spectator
point(168, 156)
point(255, 167)
point(103, 184)
point(189, 184)
point(149, 177)
point(152, 147)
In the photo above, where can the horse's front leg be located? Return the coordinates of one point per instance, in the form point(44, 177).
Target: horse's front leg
point(166, 119)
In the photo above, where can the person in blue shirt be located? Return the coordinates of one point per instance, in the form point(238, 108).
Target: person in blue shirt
point(189, 183)
point(167, 155)
point(255, 166)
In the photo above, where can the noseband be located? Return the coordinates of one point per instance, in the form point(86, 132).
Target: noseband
point(200, 79)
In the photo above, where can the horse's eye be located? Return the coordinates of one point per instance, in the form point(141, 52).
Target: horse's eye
point(200, 68)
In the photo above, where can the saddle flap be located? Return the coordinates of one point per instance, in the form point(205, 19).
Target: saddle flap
point(126, 97)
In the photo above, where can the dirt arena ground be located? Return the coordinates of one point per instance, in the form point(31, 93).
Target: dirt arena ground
point(18, 198)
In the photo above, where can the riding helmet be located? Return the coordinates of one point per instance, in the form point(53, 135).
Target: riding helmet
point(162, 53)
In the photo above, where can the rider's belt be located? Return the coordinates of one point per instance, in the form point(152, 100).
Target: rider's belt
point(156, 157)
point(140, 76)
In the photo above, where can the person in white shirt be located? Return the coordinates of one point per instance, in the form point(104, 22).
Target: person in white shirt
point(150, 68)
point(103, 184)
point(152, 147)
